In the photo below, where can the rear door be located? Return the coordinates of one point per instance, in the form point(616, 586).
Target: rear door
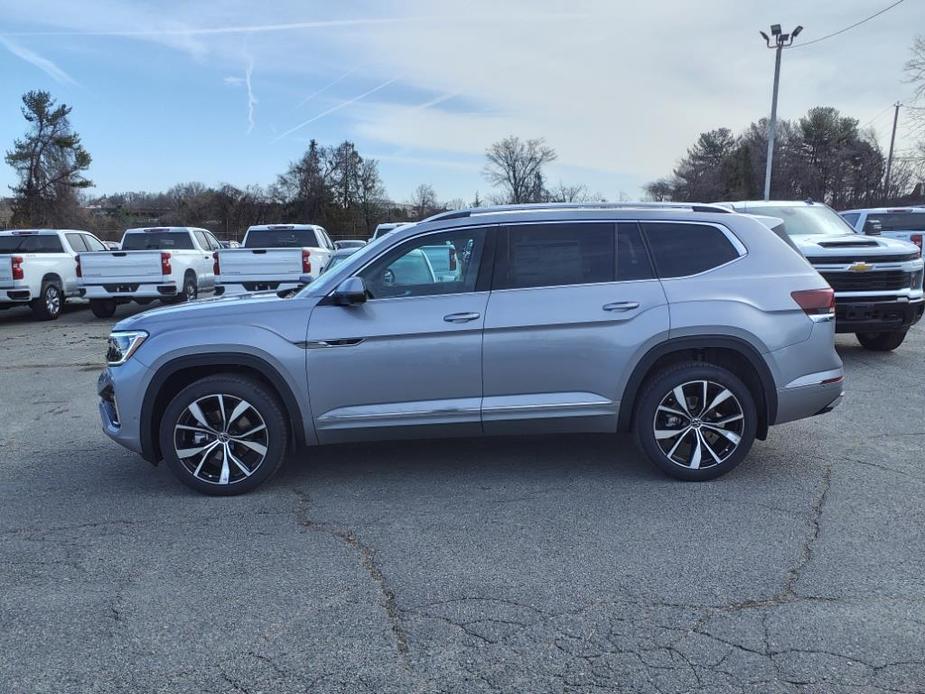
point(571, 305)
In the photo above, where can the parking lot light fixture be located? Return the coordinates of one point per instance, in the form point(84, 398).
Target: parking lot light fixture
point(778, 41)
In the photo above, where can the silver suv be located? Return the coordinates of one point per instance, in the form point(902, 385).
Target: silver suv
point(692, 326)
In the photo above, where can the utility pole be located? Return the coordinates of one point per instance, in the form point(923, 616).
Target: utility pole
point(889, 159)
point(781, 41)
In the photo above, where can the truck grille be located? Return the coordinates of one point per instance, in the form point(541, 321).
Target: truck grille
point(860, 257)
point(868, 281)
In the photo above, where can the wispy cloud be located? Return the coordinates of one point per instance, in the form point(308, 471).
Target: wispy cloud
point(335, 108)
point(42, 63)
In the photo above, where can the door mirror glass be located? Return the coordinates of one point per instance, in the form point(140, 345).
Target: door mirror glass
point(349, 292)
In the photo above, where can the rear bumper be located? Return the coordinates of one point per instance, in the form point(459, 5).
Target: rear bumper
point(810, 395)
point(129, 290)
point(11, 294)
point(870, 315)
point(235, 288)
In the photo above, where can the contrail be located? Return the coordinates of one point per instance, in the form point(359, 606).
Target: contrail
point(224, 30)
point(42, 63)
point(331, 110)
point(251, 99)
point(327, 87)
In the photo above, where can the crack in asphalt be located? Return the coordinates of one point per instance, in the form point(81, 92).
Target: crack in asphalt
point(367, 559)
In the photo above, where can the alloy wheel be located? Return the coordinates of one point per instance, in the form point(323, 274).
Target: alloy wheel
point(52, 300)
point(221, 439)
point(699, 424)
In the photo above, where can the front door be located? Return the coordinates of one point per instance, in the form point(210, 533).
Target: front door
point(572, 304)
point(408, 361)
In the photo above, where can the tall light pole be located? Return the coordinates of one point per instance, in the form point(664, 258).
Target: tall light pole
point(778, 43)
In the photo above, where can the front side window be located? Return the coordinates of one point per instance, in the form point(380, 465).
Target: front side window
point(550, 255)
point(408, 270)
point(680, 250)
point(76, 242)
point(93, 243)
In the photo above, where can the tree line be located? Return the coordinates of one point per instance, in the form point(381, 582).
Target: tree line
point(332, 185)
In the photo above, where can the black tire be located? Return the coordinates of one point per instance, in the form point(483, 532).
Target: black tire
point(211, 454)
point(103, 308)
point(48, 304)
point(678, 455)
point(190, 289)
point(145, 301)
point(882, 342)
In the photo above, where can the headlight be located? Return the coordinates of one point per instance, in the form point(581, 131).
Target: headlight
point(122, 345)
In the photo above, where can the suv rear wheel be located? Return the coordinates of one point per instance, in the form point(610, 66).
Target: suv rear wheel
point(696, 421)
point(881, 342)
point(224, 435)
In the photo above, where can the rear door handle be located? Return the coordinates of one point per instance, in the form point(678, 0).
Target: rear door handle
point(621, 306)
point(461, 317)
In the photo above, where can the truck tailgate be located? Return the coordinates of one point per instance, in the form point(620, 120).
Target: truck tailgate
point(257, 264)
point(6, 268)
point(120, 265)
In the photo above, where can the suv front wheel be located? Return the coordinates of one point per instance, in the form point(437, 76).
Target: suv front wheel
point(695, 421)
point(224, 435)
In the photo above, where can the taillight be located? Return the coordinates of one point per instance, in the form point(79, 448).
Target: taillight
point(165, 263)
point(815, 302)
point(917, 240)
point(306, 261)
point(80, 272)
point(16, 262)
point(216, 268)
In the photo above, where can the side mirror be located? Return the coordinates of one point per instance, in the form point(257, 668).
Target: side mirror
point(305, 279)
point(350, 292)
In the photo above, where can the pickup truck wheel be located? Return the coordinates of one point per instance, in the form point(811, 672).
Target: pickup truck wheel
point(881, 342)
point(695, 421)
point(103, 308)
point(190, 290)
point(224, 435)
point(47, 306)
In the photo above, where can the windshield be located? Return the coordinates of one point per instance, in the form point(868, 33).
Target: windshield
point(281, 238)
point(157, 241)
point(806, 220)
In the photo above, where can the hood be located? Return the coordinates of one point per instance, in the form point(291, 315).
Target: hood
point(821, 245)
point(242, 308)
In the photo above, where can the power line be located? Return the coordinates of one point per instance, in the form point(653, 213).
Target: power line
point(876, 117)
point(848, 28)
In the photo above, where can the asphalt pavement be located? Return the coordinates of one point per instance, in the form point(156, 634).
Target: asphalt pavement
point(550, 564)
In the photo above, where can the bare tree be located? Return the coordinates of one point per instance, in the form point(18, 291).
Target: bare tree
point(570, 193)
point(517, 168)
point(424, 201)
point(915, 67)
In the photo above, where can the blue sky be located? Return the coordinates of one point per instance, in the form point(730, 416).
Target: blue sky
point(231, 91)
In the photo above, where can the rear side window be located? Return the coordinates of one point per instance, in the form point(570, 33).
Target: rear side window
point(281, 238)
point(158, 241)
point(77, 243)
point(201, 240)
point(31, 243)
point(549, 255)
point(894, 221)
point(680, 250)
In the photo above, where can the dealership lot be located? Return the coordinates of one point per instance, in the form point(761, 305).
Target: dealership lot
point(561, 564)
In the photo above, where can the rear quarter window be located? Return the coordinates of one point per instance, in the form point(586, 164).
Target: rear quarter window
point(680, 250)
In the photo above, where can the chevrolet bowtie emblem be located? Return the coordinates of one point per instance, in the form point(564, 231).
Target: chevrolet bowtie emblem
point(860, 266)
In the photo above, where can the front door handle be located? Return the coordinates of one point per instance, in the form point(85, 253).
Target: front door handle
point(621, 306)
point(461, 317)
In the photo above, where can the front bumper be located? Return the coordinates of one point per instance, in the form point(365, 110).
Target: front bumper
point(857, 314)
point(122, 431)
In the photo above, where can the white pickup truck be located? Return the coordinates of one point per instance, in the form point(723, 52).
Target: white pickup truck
point(167, 263)
point(273, 257)
point(38, 268)
point(903, 223)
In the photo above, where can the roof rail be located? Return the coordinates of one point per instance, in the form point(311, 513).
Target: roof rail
point(552, 206)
